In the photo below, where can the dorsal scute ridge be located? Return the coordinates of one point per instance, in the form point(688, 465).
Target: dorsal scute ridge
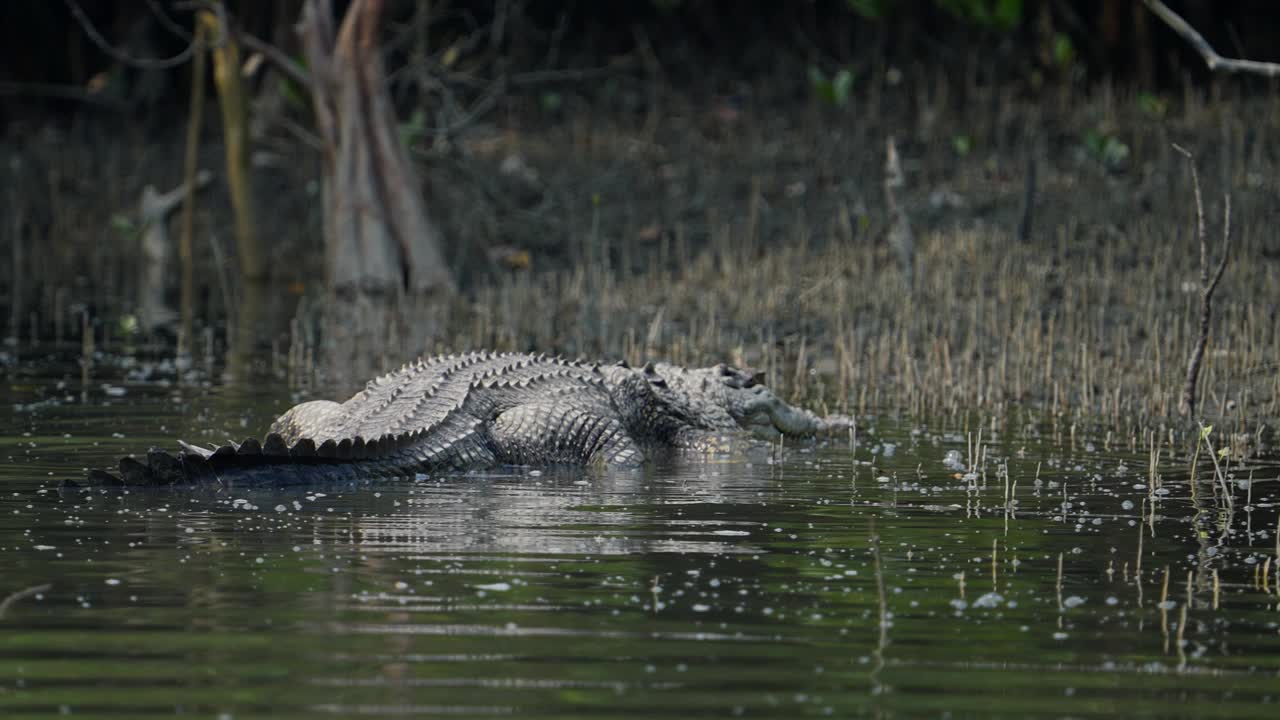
point(397, 383)
point(451, 366)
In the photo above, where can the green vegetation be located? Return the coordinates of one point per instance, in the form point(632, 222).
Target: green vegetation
point(1107, 149)
point(834, 91)
point(998, 15)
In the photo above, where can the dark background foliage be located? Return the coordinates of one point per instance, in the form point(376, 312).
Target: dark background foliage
point(48, 62)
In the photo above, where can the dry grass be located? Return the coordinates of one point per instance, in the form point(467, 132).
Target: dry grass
point(756, 233)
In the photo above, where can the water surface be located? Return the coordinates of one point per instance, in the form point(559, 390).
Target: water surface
point(1051, 583)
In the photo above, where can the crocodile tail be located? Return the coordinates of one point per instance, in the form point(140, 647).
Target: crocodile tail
point(270, 462)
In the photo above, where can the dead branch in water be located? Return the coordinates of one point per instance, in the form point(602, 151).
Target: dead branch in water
point(1207, 285)
point(13, 598)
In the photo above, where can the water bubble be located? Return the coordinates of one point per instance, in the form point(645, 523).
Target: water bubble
point(988, 600)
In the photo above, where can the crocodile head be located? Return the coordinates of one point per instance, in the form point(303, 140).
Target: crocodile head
point(662, 398)
point(725, 397)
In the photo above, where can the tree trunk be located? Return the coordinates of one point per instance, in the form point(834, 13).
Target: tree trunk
point(235, 137)
point(385, 273)
point(379, 240)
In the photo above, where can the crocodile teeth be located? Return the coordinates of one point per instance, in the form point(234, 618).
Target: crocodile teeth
point(250, 446)
point(328, 449)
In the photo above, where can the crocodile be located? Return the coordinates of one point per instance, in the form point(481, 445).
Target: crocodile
point(479, 410)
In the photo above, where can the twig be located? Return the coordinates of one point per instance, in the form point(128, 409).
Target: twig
point(167, 22)
point(21, 594)
point(1211, 56)
point(540, 77)
point(191, 160)
point(119, 55)
point(229, 303)
point(1207, 285)
point(1218, 474)
point(62, 92)
point(286, 64)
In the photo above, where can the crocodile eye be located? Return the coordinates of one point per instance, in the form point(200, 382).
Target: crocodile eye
point(657, 382)
point(725, 370)
point(622, 364)
point(755, 379)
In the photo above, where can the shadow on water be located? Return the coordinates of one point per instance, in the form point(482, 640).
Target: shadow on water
point(1020, 574)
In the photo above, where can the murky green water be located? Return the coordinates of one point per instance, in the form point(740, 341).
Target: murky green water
point(726, 589)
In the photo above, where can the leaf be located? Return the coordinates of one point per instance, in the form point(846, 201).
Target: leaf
point(450, 56)
point(122, 224)
point(869, 9)
point(1007, 14)
point(413, 129)
point(817, 77)
point(128, 324)
point(1064, 51)
point(841, 87)
point(836, 90)
point(1205, 430)
point(1152, 105)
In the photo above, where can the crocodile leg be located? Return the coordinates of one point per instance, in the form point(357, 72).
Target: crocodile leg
point(548, 433)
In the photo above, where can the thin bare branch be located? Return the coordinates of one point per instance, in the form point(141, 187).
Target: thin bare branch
point(1201, 233)
point(119, 55)
point(1226, 247)
point(63, 92)
point(1211, 57)
point(167, 22)
point(1207, 286)
point(286, 64)
point(9, 601)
